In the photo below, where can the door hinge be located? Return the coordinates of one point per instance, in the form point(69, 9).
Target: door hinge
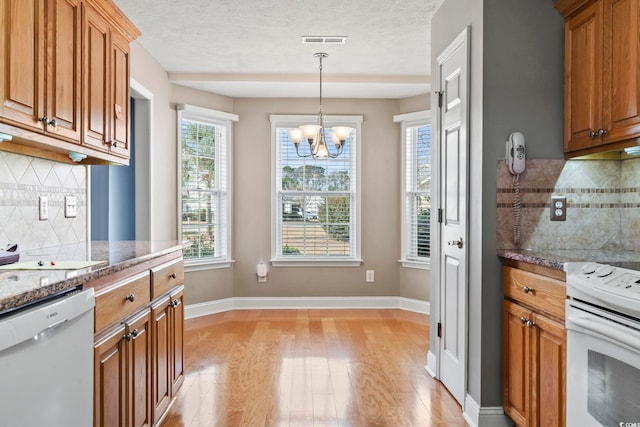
point(440, 94)
point(439, 214)
point(439, 330)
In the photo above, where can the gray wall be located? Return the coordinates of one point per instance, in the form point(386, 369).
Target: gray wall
point(516, 84)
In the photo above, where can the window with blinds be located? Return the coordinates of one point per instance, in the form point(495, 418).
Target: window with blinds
point(416, 189)
point(204, 207)
point(418, 192)
point(315, 200)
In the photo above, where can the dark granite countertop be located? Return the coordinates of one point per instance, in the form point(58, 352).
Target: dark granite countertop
point(556, 258)
point(22, 287)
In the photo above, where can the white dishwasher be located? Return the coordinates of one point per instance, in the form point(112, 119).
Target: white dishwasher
point(46, 363)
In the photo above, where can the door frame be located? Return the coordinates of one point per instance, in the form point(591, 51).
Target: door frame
point(433, 357)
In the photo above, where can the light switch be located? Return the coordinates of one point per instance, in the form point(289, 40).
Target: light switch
point(70, 206)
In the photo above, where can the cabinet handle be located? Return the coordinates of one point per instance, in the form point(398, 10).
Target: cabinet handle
point(52, 122)
point(44, 120)
point(530, 324)
point(593, 133)
point(527, 289)
point(131, 335)
point(175, 303)
point(602, 132)
point(130, 298)
point(172, 275)
point(524, 320)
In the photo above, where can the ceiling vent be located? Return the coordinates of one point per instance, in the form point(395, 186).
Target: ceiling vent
point(324, 39)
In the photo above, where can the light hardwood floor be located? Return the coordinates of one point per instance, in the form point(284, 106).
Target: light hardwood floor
point(310, 368)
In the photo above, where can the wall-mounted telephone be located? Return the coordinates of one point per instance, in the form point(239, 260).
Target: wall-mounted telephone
point(515, 153)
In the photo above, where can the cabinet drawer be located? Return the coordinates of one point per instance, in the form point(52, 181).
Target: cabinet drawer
point(539, 292)
point(122, 299)
point(166, 276)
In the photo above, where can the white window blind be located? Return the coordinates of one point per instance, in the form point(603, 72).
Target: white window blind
point(204, 171)
point(315, 201)
point(416, 189)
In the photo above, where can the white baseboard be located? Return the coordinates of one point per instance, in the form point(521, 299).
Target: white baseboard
point(489, 416)
point(210, 307)
point(257, 303)
point(431, 364)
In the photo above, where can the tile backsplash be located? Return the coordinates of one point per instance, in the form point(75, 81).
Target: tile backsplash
point(22, 180)
point(603, 205)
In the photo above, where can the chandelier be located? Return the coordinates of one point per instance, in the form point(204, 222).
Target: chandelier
point(315, 134)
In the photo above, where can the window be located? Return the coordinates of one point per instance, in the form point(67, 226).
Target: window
point(315, 203)
point(204, 170)
point(416, 189)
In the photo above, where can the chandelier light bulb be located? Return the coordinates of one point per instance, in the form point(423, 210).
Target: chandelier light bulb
point(295, 135)
point(342, 132)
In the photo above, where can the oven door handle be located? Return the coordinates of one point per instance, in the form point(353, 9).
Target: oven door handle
point(607, 330)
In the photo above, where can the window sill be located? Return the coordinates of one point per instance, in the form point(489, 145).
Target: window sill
point(279, 262)
point(420, 265)
point(199, 265)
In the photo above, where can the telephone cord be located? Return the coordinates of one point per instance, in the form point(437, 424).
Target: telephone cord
point(516, 209)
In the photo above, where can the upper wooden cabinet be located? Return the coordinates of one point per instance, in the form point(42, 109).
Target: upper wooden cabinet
point(602, 75)
point(65, 78)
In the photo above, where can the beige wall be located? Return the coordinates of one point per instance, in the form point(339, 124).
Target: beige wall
point(252, 186)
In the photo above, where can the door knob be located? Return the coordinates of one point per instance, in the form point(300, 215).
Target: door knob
point(457, 243)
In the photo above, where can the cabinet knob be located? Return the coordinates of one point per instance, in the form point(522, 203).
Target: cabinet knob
point(44, 120)
point(127, 336)
point(130, 298)
point(530, 324)
point(593, 133)
point(52, 122)
point(524, 320)
point(527, 289)
point(602, 132)
point(114, 144)
point(175, 303)
point(173, 275)
point(134, 334)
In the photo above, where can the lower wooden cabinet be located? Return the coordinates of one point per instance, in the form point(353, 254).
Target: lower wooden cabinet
point(138, 360)
point(109, 383)
point(122, 374)
point(534, 349)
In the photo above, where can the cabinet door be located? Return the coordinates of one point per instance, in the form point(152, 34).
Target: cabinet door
point(119, 101)
point(621, 91)
point(161, 354)
point(109, 370)
point(516, 342)
point(177, 339)
point(63, 68)
point(548, 371)
point(95, 83)
point(139, 370)
point(22, 63)
point(583, 78)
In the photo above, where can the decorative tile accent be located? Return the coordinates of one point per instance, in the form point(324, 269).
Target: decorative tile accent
point(22, 180)
point(602, 201)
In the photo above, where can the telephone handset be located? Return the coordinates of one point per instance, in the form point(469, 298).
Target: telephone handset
point(515, 153)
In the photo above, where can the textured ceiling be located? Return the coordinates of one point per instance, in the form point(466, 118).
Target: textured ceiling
point(252, 48)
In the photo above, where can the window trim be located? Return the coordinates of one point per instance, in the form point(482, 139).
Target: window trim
point(218, 118)
point(293, 120)
point(418, 118)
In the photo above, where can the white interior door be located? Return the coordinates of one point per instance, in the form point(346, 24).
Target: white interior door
point(453, 143)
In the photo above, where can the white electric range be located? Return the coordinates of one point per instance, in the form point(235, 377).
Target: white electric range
point(603, 344)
